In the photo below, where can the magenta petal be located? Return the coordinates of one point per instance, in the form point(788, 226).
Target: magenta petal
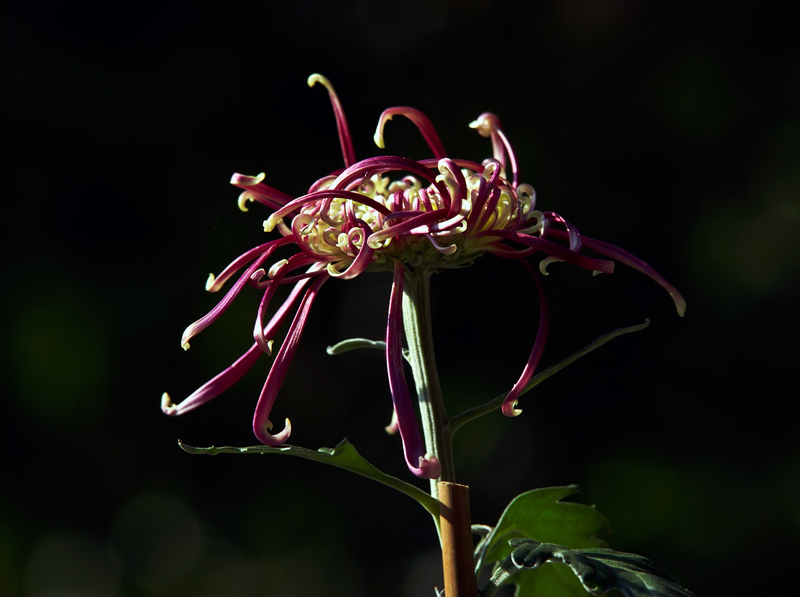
point(419, 463)
point(209, 318)
point(510, 401)
point(259, 329)
point(215, 283)
point(214, 387)
point(422, 122)
point(283, 311)
point(317, 196)
point(255, 190)
point(634, 262)
point(488, 125)
point(261, 422)
point(553, 249)
point(387, 163)
point(346, 141)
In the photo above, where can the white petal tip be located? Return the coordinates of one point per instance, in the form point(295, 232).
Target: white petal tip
point(547, 261)
point(318, 78)
point(680, 307)
point(510, 409)
point(269, 224)
point(378, 136)
point(267, 438)
point(243, 200)
point(244, 180)
point(485, 124)
point(276, 267)
point(430, 466)
point(166, 405)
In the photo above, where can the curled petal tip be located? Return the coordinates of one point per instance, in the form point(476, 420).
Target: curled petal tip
point(248, 181)
point(188, 334)
point(318, 78)
point(378, 136)
point(430, 467)
point(265, 437)
point(270, 223)
point(276, 267)
point(680, 304)
point(167, 407)
point(547, 261)
point(210, 282)
point(510, 409)
point(485, 124)
point(393, 426)
point(243, 200)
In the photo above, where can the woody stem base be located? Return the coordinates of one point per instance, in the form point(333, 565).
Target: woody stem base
point(457, 556)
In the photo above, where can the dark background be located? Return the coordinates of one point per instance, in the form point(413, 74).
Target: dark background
point(673, 134)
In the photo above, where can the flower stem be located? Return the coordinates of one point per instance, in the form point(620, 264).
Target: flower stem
point(417, 323)
point(454, 516)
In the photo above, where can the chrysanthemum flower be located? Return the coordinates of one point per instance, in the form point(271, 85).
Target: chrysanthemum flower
point(391, 213)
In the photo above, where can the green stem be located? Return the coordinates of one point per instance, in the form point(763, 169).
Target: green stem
point(417, 323)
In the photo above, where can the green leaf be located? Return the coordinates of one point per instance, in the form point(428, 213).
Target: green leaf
point(553, 581)
point(541, 514)
point(458, 421)
point(599, 570)
point(358, 343)
point(343, 456)
point(355, 344)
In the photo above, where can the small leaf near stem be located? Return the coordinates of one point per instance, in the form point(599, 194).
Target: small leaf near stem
point(354, 344)
point(358, 343)
point(471, 414)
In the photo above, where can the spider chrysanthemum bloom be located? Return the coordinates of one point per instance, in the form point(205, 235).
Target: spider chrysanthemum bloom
point(391, 213)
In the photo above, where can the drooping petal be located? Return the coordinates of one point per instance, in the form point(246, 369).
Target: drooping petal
point(283, 311)
point(634, 262)
point(554, 249)
point(213, 388)
point(421, 464)
point(202, 323)
point(215, 283)
point(261, 422)
point(295, 261)
point(509, 407)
